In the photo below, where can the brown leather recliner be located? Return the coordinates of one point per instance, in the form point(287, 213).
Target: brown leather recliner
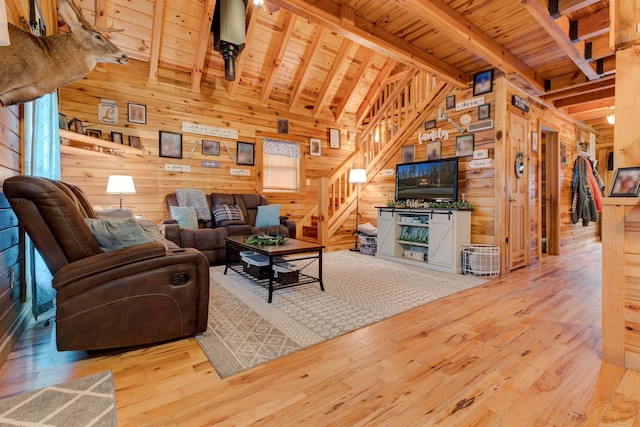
point(126, 297)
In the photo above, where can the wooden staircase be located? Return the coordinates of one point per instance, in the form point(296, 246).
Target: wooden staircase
point(400, 109)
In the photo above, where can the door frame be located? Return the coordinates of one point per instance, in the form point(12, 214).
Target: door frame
point(552, 190)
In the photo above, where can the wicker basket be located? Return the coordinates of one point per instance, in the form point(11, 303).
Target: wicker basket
point(481, 260)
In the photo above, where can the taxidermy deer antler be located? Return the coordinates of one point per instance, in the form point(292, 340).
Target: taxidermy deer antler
point(34, 66)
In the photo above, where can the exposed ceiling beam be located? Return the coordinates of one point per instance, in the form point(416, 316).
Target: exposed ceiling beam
point(592, 25)
point(367, 58)
point(274, 67)
point(252, 17)
point(586, 97)
point(460, 30)
point(335, 66)
point(342, 21)
point(593, 105)
point(156, 39)
point(375, 89)
point(541, 14)
point(559, 8)
point(598, 48)
point(591, 86)
point(202, 44)
point(305, 69)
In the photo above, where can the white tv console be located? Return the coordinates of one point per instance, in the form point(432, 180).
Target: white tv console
point(429, 237)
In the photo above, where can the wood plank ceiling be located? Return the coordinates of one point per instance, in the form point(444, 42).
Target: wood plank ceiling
point(328, 58)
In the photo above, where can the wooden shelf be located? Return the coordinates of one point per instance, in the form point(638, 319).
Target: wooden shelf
point(83, 143)
point(409, 224)
point(406, 242)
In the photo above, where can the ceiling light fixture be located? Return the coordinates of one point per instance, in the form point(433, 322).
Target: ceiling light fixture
point(258, 3)
point(611, 116)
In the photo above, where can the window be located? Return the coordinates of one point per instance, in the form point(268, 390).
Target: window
point(280, 165)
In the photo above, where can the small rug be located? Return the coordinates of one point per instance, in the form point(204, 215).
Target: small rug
point(245, 331)
point(88, 401)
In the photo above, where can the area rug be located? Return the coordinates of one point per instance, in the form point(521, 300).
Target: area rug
point(88, 401)
point(245, 331)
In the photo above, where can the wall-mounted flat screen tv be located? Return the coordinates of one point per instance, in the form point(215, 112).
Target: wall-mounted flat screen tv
point(432, 180)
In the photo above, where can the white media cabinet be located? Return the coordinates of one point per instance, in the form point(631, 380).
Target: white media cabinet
point(429, 237)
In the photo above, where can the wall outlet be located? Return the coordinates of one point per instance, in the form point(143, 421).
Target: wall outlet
point(308, 182)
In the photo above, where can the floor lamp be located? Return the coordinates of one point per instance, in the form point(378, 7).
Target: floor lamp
point(357, 176)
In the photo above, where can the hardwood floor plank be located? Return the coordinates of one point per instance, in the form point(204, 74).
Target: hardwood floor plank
point(524, 349)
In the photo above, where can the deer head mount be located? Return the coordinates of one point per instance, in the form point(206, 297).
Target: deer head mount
point(34, 66)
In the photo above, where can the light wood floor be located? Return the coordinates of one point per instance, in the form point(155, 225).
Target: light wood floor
point(521, 350)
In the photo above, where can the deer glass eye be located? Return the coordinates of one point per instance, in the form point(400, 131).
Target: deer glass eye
point(98, 37)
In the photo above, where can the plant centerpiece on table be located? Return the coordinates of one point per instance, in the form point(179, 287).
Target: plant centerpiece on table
point(451, 205)
point(267, 240)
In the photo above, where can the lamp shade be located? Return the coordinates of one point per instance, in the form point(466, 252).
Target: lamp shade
point(121, 184)
point(357, 176)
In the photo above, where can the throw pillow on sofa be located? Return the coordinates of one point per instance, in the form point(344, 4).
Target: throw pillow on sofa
point(228, 215)
point(112, 234)
point(268, 216)
point(186, 217)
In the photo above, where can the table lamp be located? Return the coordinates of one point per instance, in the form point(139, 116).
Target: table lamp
point(357, 176)
point(120, 184)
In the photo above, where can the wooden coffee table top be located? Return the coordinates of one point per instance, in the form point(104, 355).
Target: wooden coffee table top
point(294, 246)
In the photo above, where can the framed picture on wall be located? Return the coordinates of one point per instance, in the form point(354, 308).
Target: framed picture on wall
point(484, 111)
point(483, 82)
point(62, 122)
point(170, 145)
point(626, 182)
point(434, 150)
point(245, 153)
point(315, 147)
point(334, 138)
point(210, 148)
point(430, 124)
point(408, 153)
point(451, 102)
point(134, 141)
point(283, 126)
point(95, 133)
point(136, 113)
point(116, 137)
point(464, 145)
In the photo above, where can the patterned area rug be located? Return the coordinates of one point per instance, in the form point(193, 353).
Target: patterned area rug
point(88, 401)
point(245, 331)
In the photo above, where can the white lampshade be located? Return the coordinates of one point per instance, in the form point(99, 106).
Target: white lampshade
point(121, 184)
point(357, 176)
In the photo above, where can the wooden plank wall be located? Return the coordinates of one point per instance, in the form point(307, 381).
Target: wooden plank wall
point(479, 185)
point(167, 108)
point(476, 184)
point(13, 310)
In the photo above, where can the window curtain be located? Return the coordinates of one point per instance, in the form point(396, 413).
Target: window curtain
point(41, 158)
point(279, 147)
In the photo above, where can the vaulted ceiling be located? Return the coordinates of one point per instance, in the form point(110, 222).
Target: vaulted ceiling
point(328, 58)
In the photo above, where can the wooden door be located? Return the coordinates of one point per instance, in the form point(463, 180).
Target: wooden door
point(516, 194)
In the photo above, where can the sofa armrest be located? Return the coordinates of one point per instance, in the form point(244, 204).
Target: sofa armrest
point(91, 265)
point(171, 230)
point(290, 224)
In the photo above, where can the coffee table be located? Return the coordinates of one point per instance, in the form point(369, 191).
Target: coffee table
point(295, 251)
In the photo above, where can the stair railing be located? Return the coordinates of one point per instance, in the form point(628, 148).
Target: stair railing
point(404, 109)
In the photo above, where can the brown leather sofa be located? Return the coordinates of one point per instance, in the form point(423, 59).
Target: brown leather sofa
point(209, 237)
point(124, 297)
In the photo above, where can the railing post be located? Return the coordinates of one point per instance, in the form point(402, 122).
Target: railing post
point(323, 211)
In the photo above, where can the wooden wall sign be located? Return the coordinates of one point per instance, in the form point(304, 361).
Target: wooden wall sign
point(209, 130)
point(519, 103)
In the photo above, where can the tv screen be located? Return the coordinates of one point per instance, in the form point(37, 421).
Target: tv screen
point(432, 180)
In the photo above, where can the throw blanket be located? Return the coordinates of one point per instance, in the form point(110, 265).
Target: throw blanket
point(197, 199)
